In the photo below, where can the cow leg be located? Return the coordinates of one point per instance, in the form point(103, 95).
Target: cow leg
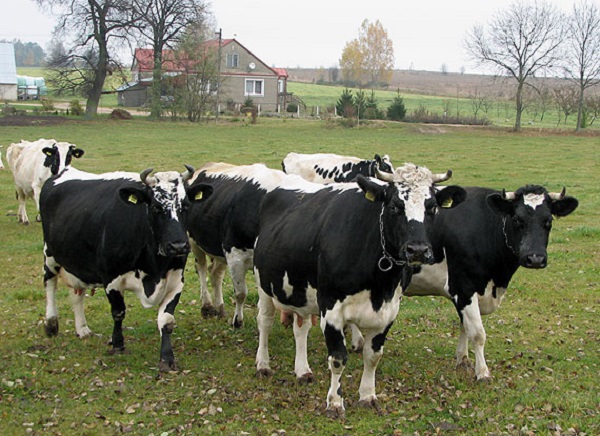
point(118, 310)
point(201, 266)
point(36, 197)
point(372, 352)
point(217, 274)
point(301, 368)
point(462, 349)
point(475, 333)
point(51, 269)
point(337, 357)
point(264, 319)
point(239, 261)
point(77, 300)
point(22, 211)
point(166, 323)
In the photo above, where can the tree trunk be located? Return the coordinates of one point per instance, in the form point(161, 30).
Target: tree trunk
point(579, 110)
point(155, 103)
point(93, 97)
point(519, 107)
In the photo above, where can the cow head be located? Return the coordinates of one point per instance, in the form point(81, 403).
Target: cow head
point(527, 220)
point(60, 155)
point(165, 199)
point(384, 164)
point(409, 203)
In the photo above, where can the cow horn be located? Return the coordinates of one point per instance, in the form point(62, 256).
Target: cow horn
point(144, 175)
point(189, 173)
point(508, 195)
point(437, 178)
point(386, 177)
point(558, 196)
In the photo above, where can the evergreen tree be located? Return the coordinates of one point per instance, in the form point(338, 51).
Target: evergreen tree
point(345, 104)
point(396, 111)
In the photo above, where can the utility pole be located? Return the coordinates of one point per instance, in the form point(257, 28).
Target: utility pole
point(217, 109)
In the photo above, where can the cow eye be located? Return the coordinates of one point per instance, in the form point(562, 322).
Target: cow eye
point(517, 222)
point(394, 208)
point(432, 210)
point(548, 224)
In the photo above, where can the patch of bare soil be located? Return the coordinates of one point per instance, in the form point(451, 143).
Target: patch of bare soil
point(32, 120)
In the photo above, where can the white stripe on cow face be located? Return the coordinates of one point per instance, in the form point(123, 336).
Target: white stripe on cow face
point(414, 188)
point(533, 200)
point(169, 192)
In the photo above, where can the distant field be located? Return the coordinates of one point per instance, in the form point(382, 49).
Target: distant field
point(543, 343)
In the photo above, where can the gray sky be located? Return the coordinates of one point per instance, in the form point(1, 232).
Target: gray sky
point(313, 33)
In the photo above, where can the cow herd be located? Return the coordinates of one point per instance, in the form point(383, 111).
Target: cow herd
point(331, 239)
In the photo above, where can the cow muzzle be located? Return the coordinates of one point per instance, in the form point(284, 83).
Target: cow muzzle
point(418, 253)
point(534, 260)
point(178, 248)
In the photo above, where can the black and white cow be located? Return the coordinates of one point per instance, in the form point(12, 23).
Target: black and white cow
point(477, 249)
point(32, 163)
point(223, 224)
point(330, 168)
point(341, 251)
point(117, 231)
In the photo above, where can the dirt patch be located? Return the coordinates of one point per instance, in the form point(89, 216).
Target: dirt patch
point(33, 120)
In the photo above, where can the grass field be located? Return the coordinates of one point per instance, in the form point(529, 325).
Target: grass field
point(543, 344)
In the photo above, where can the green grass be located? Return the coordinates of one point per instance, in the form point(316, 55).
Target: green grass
point(543, 343)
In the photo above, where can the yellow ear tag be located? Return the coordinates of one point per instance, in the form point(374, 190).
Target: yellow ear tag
point(132, 199)
point(447, 204)
point(370, 196)
point(198, 195)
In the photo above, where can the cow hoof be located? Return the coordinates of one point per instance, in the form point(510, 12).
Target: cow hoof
point(51, 327)
point(164, 366)
point(307, 378)
point(357, 348)
point(237, 323)
point(208, 311)
point(117, 350)
point(486, 379)
point(221, 311)
point(264, 372)
point(464, 363)
point(335, 412)
point(84, 333)
point(371, 403)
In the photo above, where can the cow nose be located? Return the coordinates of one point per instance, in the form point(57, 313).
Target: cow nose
point(178, 248)
point(418, 253)
point(535, 261)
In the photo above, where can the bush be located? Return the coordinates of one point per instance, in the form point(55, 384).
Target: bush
point(396, 111)
point(120, 114)
point(47, 105)
point(75, 108)
point(345, 104)
point(292, 107)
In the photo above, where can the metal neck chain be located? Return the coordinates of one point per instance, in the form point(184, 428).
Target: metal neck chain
point(506, 236)
point(386, 262)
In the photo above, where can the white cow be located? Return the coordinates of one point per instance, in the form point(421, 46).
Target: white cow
point(1, 164)
point(32, 163)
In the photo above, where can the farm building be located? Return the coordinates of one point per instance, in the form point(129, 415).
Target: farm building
point(242, 75)
point(8, 72)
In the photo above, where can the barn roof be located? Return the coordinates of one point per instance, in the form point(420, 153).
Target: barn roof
point(8, 68)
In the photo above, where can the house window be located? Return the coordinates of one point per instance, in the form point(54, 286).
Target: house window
point(254, 87)
point(232, 60)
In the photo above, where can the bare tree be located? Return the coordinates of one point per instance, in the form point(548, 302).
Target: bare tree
point(583, 51)
point(566, 98)
point(478, 102)
point(162, 23)
point(592, 106)
point(93, 25)
point(521, 41)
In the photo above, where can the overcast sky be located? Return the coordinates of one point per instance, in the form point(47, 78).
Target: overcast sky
point(313, 33)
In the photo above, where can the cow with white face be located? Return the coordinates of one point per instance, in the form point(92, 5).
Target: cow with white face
point(477, 249)
point(120, 231)
point(223, 225)
point(333, 168)
point(343, 251)
point(32, 163)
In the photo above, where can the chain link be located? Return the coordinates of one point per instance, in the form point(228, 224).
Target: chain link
point(386, 262)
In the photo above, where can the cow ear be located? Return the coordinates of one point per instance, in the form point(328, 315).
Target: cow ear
point(500, 204)
point(377, 159)
point(450, 196)
point(134, 195)
point(199, 192)
point(564, 206)
point(48, 151)
point(77, 152)
point(373, 190)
